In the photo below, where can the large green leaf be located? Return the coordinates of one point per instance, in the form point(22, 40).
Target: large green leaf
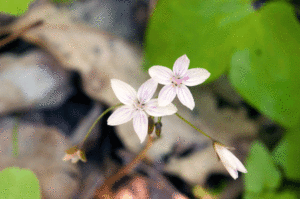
point(266, 67)
point(287, 153)
point(14, 7)
point(271, 195)
point(262, 173)
point(18, 183)
point(197, 28)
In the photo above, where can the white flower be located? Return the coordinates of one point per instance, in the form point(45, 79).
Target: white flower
point(176, 81)
point(74, 155)
point(137, 105)
point(231, 163)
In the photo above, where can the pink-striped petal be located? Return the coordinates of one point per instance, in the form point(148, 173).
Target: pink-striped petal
point(161, 74)
point(185, 96)
point(153, 109)
point(120, 116)
point(140, 124)
point(146, 91)
point(196, 76)
point(166, 95)
point(181, 65)
point(124, 92)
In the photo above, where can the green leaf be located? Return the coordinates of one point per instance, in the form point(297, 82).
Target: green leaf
point(265, 69)
point(271, 195)
point(262, 173)
point(18, 183)
point(14, 7)
point(287, 153)
point(199, 29)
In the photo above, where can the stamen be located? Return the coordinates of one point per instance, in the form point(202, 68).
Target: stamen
point(178, 81)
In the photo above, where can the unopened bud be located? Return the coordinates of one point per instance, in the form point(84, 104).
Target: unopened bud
point(74, 154)
point(150, 125)
point(158, 126)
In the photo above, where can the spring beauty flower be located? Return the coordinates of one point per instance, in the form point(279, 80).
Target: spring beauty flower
point(74, 154)
point(136, 105)
point(231, 163)
point(176, 81)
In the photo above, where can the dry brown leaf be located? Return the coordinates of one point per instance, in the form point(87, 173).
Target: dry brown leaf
point(96, 55)
point(31, 80)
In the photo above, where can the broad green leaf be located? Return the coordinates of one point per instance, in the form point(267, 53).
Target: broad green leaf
point(271, 195)
point(287, 153)
point(14, 7)
point(18, 183)
point(197, 28)
point(262, 173)
point(266, 67)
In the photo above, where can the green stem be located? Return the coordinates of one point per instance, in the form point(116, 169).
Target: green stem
point(15, 137)
point(194, 126)
point(159, 120)
point(97, 120)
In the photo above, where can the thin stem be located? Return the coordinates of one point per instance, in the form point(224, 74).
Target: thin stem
point(18, 33)
point(15, 137)
point(105, 189)
point(194, 126)
point(97, 120)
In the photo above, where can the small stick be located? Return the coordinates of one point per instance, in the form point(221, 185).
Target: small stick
point(105, 190)
point(18, 33)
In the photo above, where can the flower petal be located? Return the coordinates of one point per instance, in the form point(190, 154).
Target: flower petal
point(225, 155)
point(124, 92)
point(153, 109)
point(146, 91)
point(239, 165)
point(185, 96)
point(75, 159)
point(161, 74)
point(121, 115)
point(231, 163)
point(166, 95)
point(140, 124)
point(67, 157)
point(196, 76)
point(234, 174)
point(181, 65)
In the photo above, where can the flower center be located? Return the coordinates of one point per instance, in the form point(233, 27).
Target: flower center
point(139, 106)
point(176, 81)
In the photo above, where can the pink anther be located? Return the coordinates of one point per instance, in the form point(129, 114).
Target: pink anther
point(179, 81)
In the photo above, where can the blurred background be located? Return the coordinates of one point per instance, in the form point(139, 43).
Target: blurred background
point(55, 81)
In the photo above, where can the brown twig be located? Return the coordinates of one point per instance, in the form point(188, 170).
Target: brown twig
point(18, 33)
point(104, 192)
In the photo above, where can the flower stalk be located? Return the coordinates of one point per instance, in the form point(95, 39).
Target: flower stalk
point(183, 119)
point(97, 120)
point(76, 152)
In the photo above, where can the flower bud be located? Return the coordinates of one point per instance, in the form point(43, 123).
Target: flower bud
point(231, 163)
point(74, 154)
